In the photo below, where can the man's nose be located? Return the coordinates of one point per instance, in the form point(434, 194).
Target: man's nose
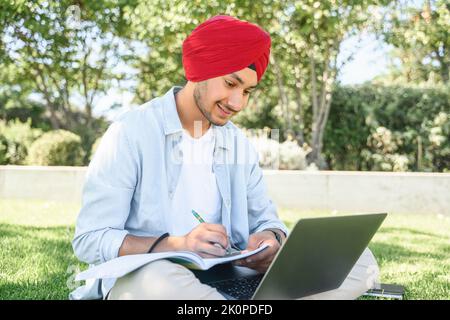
point(236, 101)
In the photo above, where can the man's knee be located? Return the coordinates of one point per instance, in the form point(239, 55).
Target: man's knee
point(162, 280)
point(361, 278)
point(367, 270)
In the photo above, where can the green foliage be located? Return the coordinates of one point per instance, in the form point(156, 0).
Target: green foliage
point(55, 148)
point(15, 140)
point(421, 41)
point(69, 54)
point(437, 143)
point(381, 152)
point(258, 117)
point(374, 127)
point(15, 102)
point(65, 52)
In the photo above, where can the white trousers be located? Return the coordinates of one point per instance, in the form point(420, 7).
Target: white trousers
point(165, 280)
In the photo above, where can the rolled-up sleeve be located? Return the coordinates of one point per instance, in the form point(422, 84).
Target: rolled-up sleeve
point(107, 193)
point(261, 210)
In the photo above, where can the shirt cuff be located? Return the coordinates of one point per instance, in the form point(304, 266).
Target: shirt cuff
point(111, 242)
point(272, 225)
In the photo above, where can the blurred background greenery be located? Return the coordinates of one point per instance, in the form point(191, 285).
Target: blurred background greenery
point(58, 58)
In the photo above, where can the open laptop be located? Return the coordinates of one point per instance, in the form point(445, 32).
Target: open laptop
point(316, 257)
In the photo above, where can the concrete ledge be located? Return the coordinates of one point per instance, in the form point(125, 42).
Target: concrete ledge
point(46, 183)
point(344, 191)
point(348, 191)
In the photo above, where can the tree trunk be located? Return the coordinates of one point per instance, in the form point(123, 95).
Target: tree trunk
point(284, 100)
point(42, 86)
point(53, 119)
point(321, 101)
point(314, 154)
point(301, 122)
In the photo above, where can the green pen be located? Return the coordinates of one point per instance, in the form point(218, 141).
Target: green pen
point(199, 218)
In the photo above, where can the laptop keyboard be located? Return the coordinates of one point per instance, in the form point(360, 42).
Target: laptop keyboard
point(239, 288)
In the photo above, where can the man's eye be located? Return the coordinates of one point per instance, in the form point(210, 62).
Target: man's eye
point(230, 84)
point(247, 93)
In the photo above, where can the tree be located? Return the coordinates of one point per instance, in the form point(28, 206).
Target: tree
point(421, 40)
point(66, 52)
point(314, 33)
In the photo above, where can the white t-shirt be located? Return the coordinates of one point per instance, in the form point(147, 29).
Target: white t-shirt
point(196, 188)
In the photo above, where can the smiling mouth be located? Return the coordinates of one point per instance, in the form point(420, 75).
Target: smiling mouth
point(223, 109)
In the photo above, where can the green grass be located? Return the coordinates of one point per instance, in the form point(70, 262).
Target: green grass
point(36, 256)
point(37, 262)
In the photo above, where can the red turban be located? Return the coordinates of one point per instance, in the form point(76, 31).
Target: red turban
point(223, 45)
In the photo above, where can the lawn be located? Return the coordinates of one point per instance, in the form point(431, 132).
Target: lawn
point(37, 262)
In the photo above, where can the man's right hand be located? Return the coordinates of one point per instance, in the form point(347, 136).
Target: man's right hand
point(204, 238)
point(207, 240)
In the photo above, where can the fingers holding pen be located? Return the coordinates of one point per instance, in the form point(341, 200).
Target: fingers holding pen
point(208, 240)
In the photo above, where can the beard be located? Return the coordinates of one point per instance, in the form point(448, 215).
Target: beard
point(200, 91)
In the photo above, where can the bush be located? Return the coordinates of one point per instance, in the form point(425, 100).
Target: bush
point(381, 154)
point(292, 156)
point(3, 150)
point(389, 128)
point(275, 155)
point(56, 148)
point(436, 153)
point(15, 140)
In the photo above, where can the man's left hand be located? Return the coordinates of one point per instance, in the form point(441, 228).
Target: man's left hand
point(260, 261)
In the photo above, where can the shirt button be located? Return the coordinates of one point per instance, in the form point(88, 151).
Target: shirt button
point(228, 202)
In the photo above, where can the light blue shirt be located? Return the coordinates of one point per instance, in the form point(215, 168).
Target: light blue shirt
point(133, 176)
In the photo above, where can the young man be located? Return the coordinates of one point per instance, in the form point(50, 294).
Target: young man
point(175, 154)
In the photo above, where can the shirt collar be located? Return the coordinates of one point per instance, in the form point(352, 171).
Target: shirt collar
point(172, 121)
